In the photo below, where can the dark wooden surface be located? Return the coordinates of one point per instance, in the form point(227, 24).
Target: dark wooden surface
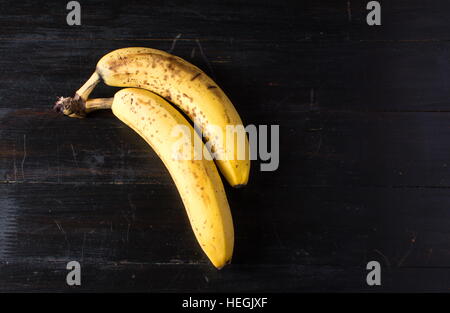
point(364, 174)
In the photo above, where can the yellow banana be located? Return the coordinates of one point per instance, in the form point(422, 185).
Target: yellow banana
point(197, 180)
point(191, 90)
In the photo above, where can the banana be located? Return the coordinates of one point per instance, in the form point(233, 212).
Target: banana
point(189, 88)
point(198, 181)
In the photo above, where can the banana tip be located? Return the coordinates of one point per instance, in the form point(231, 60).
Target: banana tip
point(223, 265)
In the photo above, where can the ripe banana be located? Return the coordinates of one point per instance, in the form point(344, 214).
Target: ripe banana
point(197, 181)
point(191, 90)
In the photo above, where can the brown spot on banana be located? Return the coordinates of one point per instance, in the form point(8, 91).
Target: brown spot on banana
point(186, 96)
point(195, 76)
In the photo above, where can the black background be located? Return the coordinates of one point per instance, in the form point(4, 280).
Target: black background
point(364, 158)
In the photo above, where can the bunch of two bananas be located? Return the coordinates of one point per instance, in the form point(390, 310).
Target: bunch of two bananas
point(154, 75)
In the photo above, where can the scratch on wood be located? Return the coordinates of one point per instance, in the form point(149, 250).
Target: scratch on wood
point(82, 246)
point(349, 11)
point(279, 103)
point(133, 208)
point(408, 252)
point(319, 145)
point(312, 98)
point(277, 237)
point(193, 53)
point(15, 166)
point(24, 154)
point(80, 76)
point(128, 222)
point(128, 232)
point(174, 42)
point(59, 226)
point(173, 280)
point(58, 174)
point(430, 252)
point(74, 155)
point(204, 57)
point(384, 257)
point(63, 232)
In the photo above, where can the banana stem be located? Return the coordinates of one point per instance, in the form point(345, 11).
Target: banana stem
point(98, 104)
point(88, 86)
point(77, 107)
